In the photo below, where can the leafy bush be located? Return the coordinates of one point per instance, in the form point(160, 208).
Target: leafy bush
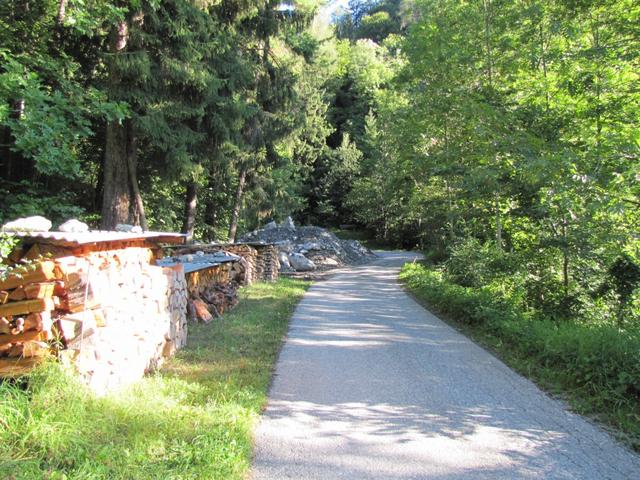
point(7, 242)
point(472, 263)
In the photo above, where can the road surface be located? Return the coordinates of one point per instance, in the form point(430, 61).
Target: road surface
point(370, 385)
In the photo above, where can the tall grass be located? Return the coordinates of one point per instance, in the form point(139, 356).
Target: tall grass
point(192, 420)
point(597, 367)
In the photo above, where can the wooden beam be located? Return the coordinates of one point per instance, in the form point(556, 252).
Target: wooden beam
point(24, 337)
point(42, 272)
point(27, 306)
point(17, 295)
point(39, 290)
point(17, 367)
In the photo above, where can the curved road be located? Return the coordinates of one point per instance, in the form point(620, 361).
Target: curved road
point(369, 385)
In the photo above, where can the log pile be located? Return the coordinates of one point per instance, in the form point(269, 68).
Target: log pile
point(268, 265)
point(26, 304)
point(106, 311)
point(260, 260)
point(212, 302)
point(250, 256)
point(214, 290)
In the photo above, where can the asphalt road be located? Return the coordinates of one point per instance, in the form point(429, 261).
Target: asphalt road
point(369, 385)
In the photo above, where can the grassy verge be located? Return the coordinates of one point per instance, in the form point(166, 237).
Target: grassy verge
point(192, 420)
point(596, 368)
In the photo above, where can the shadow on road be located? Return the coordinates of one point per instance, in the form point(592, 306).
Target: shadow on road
point(370, 385)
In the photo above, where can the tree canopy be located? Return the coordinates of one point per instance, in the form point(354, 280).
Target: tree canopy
point(501, 136)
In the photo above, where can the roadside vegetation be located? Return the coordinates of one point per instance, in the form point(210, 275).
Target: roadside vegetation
point(593, 365)
point(191, 420)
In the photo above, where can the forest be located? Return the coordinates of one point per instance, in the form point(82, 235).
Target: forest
point(501, 138)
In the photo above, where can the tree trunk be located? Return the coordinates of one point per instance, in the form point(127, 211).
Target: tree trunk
point(543, 57)
point(116, 201)
point(132, 167)
point(211, 217)
point(62, 11)
point(488, 14)
point(565, 258)
point(233, 227)
point(116, 197)
point(190, 204)
point(498, 221)
point(6, 155)
point(16, 167)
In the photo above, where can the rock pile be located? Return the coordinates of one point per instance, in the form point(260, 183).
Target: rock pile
point(309, 248)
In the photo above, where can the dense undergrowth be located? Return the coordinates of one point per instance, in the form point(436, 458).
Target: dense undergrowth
point(596, 366)
point(192, 420)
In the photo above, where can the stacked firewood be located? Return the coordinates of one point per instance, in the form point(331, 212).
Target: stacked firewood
point(39, 302)
point(250, 256)
point(28, 296)
point(212, 302)
point(260, 261)
point(267, 264)
point(244, 271)
point(213, 291)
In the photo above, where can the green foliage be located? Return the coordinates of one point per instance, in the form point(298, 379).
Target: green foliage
point(376, 26)
point(32, 200)
point(192, 420)
point(7, 243)
point(375, 20)
point(200, 90)
point(46, 107)
point(475, 264)
point(597, 364)
point(332, 179)
point(502, 143)
point(624, 280)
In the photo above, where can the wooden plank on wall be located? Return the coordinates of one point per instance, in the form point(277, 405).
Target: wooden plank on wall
point(24, 337)
point(27, 306)
point(13, 367)
point(42, 272)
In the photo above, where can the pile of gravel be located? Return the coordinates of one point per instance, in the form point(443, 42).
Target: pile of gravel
point(309, 248)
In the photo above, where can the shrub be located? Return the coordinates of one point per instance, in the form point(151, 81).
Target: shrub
point(474, 264)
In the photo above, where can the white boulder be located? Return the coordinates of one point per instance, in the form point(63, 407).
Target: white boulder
point(73, 226)
point(300, 263)
point(308, 246)
point(288, 223)
point(285, 264)
point(28, 224)
point(123, 227)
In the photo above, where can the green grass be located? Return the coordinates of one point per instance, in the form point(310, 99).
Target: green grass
point(192, 420)
point(596, 368)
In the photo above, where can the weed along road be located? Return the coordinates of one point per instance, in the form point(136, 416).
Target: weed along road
point(369, 385)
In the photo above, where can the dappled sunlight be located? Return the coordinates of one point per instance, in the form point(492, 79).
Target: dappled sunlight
point(337, 343)
point(354, 433)
point(371, 385)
